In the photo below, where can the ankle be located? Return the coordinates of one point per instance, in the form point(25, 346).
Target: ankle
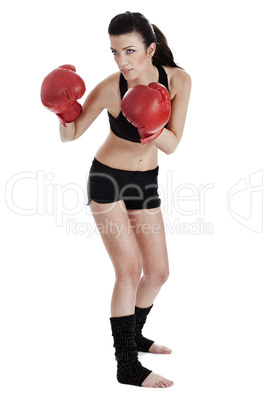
point(129, 369)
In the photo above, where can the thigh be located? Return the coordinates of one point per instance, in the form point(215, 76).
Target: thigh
point(117, 234)
point(148, 227)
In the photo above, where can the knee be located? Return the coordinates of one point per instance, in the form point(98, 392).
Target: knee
point(130, 272)
point(158, 276)
point(163, 276)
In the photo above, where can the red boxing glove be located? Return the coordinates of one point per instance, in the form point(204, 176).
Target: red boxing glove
point(60, 91)
point(148, 109)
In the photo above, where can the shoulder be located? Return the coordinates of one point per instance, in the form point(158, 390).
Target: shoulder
point(106, 92)
point(108, 85)
point(110, 81)
point(179, 80)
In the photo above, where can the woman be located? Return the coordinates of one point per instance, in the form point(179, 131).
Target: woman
point(122, 186)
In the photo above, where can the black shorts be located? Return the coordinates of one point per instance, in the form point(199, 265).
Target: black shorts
point(138, 189)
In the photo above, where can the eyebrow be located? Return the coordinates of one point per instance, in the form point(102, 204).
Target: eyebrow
point(124, 48)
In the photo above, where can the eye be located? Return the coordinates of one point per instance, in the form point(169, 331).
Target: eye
point(114, 52)
point(129, 51)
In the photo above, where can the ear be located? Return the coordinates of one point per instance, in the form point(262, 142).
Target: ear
point(151, 49)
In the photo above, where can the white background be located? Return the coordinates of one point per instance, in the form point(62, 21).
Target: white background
point(56, 282)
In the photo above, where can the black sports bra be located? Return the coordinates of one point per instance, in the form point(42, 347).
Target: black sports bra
point(119, 125)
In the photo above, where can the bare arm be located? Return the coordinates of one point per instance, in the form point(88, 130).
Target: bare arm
point(170, 137)
point(97, 100)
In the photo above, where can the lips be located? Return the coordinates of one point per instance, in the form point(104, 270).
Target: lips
point(126, 71)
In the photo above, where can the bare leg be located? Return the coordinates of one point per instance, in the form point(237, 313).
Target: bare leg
point(149, 230)
point(123, 249)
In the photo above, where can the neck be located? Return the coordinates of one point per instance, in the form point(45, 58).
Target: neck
point(150, 74)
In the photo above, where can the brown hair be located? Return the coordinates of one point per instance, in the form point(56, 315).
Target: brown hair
point(136, 22)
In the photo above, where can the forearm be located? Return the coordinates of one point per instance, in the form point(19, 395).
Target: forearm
point(67, 133)
point(167, 141)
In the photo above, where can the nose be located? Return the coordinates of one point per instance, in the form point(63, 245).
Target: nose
point(121, 61)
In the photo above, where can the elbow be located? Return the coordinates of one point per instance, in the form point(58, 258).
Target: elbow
point(170, 151)
point(171, 147)
point(65, 139)
point(171, 143)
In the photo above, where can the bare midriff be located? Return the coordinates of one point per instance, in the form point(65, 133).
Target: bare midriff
point(126, 155)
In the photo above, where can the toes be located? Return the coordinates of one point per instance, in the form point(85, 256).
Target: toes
point(166, 350)
point(164, 384)
point(156, 381)
point(168, 384)
point(159, 349)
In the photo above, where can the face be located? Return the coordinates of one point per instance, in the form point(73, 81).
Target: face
point(131, 55)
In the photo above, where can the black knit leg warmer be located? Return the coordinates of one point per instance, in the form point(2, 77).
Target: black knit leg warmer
point(129, 369)
point(143, 344)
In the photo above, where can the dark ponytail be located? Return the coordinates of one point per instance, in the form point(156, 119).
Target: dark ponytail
point(136, 22)
point(163, 55)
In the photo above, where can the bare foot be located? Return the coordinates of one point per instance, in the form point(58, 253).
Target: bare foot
point(159, 349)
point(156, 381)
